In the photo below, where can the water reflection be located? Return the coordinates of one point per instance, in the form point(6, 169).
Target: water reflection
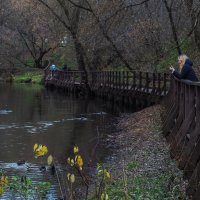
point(31, 114)
point(5, 112)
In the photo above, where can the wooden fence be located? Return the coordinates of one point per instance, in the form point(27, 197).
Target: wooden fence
point(182, 130)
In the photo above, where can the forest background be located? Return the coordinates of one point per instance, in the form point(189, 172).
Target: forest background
point(91, 35)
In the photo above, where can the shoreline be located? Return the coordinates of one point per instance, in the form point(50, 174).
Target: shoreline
point(140, 164)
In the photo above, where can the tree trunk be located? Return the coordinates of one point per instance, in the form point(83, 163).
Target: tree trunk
point(174, 32)
point(194, 19)
point(38, 63)
point(80, 60)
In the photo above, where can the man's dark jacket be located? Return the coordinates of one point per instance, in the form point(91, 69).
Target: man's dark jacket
point(187, 72)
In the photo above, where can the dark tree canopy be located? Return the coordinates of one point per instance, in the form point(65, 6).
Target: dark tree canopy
point(97, 35)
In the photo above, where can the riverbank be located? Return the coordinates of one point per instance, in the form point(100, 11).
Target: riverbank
point(23, 75)
point(141, 166)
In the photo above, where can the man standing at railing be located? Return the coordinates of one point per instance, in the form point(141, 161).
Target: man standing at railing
point(53, 68)
point(186, 70)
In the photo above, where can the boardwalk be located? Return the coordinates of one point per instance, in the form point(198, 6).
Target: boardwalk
point(128, 85)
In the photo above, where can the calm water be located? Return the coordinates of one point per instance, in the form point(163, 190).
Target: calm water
point(31, 114)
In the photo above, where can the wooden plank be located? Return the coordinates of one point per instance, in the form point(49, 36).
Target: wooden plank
point(180, 117)
point(194, 181)
point(195, 133)
point(180, 140)
point(196, 195)
point(192, 160)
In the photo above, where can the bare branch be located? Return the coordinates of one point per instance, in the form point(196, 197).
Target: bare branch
point(55, 14)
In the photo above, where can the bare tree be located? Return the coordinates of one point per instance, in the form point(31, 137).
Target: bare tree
point(70, 17)
point(28, 34)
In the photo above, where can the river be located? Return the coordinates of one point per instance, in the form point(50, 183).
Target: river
point(32, 114)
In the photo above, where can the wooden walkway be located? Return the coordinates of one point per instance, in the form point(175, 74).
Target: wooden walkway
point(126, 86)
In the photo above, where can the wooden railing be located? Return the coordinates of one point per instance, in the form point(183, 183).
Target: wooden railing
point(182, 130)
point(144, 81)
point(129, 83)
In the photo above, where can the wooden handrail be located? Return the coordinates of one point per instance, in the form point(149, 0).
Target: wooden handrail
point(181, 126)
point(125, 83)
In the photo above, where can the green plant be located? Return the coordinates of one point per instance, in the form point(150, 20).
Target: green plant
point(24, 187)
point(142, 186)
point(103, 178)
point(133, 165)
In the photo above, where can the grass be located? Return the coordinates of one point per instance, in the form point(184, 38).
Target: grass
point(132, 165)
point(32, 75)
point(142, 187)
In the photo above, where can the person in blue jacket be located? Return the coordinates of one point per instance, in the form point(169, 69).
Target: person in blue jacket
point(186, 70)
point(53, 67)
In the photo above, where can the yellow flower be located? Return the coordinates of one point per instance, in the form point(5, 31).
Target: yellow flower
point(44, 150)
point(40, 150)
point(38, 153)
point(107, 174)
point(71, 177)
point(1, 190)
point(70, 161)
point(103, 172)
point(100, 172)
point(50, 160)
point(75, 149)
point(4, 181)
point(104, 196)
point(35, 147)
point(68, 176)
point(79, 162)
